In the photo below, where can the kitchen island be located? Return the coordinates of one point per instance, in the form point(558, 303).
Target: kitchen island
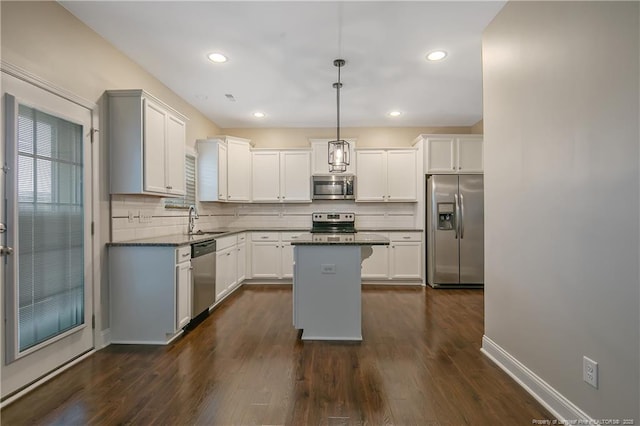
point(327, 284)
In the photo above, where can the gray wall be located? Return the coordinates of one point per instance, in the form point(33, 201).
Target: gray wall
point(562, 182)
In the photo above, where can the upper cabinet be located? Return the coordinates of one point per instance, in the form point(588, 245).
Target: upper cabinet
point(146, 144)
point(320, 156)
point(281, 176)
point(453, 154)
point(224, 169)
point(387, 175)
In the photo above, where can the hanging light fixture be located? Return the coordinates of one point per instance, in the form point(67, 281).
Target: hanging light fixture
point(338, 148)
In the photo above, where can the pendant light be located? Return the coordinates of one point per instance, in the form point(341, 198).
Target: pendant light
point(338, 148)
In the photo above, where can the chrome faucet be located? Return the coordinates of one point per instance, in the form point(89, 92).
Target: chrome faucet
point(193, 214)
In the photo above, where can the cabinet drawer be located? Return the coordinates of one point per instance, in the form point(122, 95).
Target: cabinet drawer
point(405, 236)
point(226, 242)
point(242, 237)
point(291, 236)
point(265, 236)
point(183, 254)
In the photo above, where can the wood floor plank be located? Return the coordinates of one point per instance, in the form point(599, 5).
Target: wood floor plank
point(419, 364)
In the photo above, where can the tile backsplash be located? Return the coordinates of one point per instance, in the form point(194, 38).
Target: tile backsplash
point(139, 216)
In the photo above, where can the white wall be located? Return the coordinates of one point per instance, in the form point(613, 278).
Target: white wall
point(47, 41)
point(562, 188)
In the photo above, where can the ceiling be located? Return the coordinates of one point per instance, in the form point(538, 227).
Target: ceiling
point(281, 58)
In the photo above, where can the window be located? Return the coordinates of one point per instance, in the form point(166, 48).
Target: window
point(189, 197)
point(50, 234)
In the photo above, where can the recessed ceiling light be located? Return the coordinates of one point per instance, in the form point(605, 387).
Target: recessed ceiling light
point(395, 114)
point(437, 55)
point(259, 114)
point(218, 58)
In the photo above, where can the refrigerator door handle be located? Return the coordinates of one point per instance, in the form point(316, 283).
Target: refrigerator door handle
point(455, 197)
point(461, 216)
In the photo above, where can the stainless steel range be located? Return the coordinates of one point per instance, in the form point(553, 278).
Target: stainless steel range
point(333, 223)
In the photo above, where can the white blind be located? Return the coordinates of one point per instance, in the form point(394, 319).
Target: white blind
point(50, 226)
point(189, 197)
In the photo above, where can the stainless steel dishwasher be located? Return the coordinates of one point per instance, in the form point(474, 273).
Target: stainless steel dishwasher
point(203, 262)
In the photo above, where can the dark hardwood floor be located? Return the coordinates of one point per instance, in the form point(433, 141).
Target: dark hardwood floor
point(419, 364)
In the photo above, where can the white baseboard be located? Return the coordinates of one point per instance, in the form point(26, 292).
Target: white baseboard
point(558, 405)
point(103, 339)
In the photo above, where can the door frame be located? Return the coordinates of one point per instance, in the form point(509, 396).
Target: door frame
point(97, 246)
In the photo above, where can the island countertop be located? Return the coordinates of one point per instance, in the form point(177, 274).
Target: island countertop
point(357, 239)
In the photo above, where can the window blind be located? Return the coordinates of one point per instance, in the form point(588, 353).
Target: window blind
point(50, 226)
point(189, 197)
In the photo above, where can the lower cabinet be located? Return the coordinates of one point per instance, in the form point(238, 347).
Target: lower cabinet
point(183, 289)
point(272, 254)
point(401, 259)
point(150, 293)
point(227, 265)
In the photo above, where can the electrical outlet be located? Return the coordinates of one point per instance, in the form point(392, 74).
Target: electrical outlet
point(590, 371)
point(131, 216)
point(144, 217)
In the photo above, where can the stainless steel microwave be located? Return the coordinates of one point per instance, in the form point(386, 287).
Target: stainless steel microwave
point(333, 187)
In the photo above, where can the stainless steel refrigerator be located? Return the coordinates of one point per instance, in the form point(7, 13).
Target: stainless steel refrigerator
point(455, 230)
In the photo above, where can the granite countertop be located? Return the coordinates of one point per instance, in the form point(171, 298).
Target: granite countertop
point(357, 239)
point(175, 240)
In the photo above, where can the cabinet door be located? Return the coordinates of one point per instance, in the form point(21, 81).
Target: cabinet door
point(231, 267)
point(154, 145)
point(470, 155)
point(239, 174)
point(265, 260)
point(371, 184)
point(222, 273)
point(241, 273)
point(222, 173)
point(175, 145)
point(376, 266)
point(287, 260)
point(295, 176)
point(183, 294)
point(406, 260)
point(265, 181)
point(441, 155)
point(402, 178)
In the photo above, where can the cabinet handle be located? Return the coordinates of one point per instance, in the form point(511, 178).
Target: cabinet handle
point(190, 267)
point(169, 187)
point(186, 255)
point(406, 238)
point(229, 254)
point(264, 238)
point(220, 195)
point(283, 197)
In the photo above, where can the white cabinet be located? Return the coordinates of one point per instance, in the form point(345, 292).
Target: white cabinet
point(387, 175)
point(320, 156)
point(266, 255)
point(150, 293)
point(265, 176)
point(376, 266)
point(212, 170)
point(272, 254)
point(453, 154)
point(226, 265)
point(224, 165)
point(183, 287)
point(281, 176)
point(146, 145)
point(401, 259)
point(238, 170)
point(241, 272)
point(295, 176)
point(405, 255)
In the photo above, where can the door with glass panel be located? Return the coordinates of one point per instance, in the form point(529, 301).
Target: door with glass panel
point(46, 246)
